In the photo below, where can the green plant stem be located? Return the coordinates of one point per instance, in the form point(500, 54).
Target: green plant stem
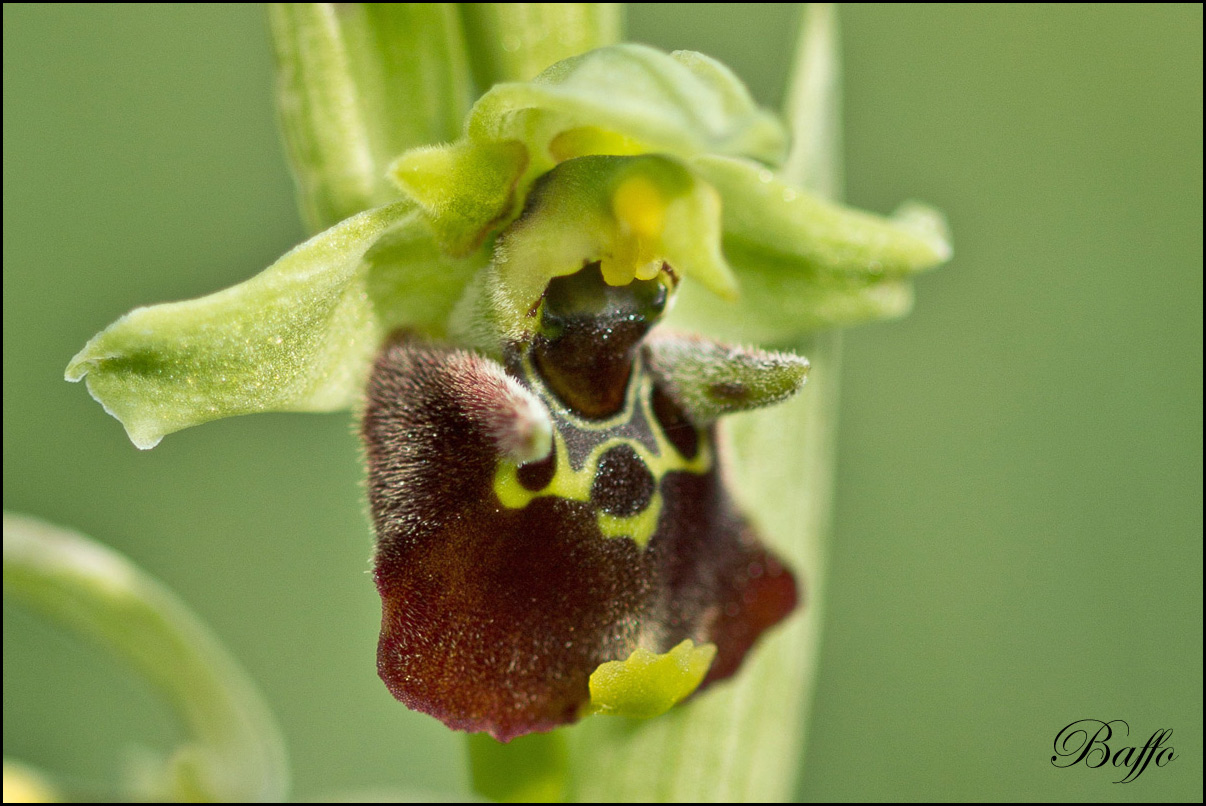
point(515, 41)
point(236, 753)
point(358, 84)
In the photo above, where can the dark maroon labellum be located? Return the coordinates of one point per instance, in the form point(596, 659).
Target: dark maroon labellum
point(509, 570)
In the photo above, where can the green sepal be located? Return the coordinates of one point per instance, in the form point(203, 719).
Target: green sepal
point(358, 83)
point(648, 684)
point(682, 103)
point(776, 310)
point(805, 263)
point(774, 227)
point(411, 282)
point(623, 99)
point(299, 336)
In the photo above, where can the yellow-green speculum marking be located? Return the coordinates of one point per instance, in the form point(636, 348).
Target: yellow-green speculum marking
point(575, 483)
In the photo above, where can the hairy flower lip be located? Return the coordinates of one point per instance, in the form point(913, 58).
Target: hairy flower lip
point(496, 613)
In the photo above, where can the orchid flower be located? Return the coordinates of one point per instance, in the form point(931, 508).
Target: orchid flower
point(523, 310)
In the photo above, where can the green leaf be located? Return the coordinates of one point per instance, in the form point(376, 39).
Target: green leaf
point(235, 752)
point(515, 41)
point(813, 105)
point(300, 336)
point(775, 226)
point(358, 84)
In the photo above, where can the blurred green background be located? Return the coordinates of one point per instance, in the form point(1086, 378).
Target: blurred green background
point(1018, 532)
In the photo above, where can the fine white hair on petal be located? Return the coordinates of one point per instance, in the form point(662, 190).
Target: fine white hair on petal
point(514, 418)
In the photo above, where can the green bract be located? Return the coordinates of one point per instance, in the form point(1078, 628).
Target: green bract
point(760, 258)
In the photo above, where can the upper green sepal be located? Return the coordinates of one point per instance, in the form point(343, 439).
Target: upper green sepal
point(299, 336)
point(682, 103)
point(622, 99)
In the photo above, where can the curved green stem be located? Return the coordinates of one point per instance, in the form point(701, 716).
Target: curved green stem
point(235, 753)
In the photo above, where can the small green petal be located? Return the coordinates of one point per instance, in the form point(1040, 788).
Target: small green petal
point(708, 379)
point(464, 188)
point(648, 684)
point(300, 336)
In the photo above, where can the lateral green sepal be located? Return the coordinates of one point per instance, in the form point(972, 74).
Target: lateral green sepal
point(774, 227)
point(805, 263)
point(299, 336)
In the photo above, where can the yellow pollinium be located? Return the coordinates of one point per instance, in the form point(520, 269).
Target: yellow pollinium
point(649, 684)
point(640, 213)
